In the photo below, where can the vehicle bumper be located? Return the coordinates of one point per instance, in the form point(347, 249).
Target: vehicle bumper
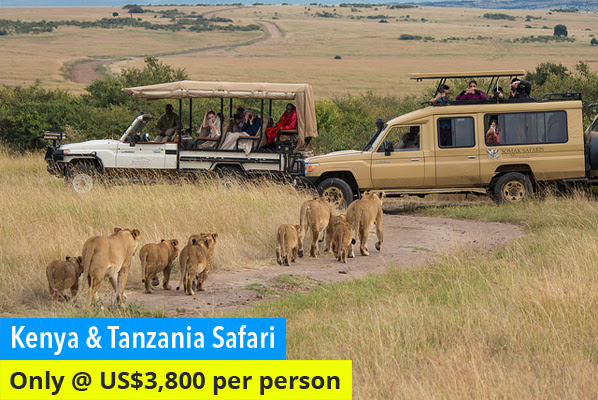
point(55, 160)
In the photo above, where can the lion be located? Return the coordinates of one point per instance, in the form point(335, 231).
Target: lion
point(361, 215)
point(315, 215)
point(196, 261)
point(155, 258)
point(342, 241)
point(334, 219)
point(64, 274)
point(109, 256)
point(287, 243)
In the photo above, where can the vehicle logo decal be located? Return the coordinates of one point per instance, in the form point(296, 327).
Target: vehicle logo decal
point(493, 154)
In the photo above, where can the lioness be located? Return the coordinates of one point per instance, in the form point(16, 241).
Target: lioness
point(334, 219)
point(315, 215)
point(287, 243)
point(342, 241)
point(64, 274)
point(361, 215)
point(196, 261)
point(155, 258)
point(109, 256)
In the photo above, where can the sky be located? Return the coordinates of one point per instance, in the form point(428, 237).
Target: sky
point(115, 3)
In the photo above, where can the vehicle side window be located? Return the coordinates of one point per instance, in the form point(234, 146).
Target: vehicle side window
point(402, 138)
point(456, 132)
point(530, 128)
point(594, 127)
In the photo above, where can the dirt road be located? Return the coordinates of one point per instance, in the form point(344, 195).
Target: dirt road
point(86, 72)
point(408, 242)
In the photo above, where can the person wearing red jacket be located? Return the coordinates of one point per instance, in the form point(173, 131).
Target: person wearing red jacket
point(288, 121)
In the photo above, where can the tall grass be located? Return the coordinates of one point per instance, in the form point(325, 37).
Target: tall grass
point(518, 323)
point(43, 219)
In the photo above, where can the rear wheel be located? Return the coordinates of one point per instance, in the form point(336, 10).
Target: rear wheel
point(336, 191)
point(81, 177)
point(513, 187)
point(230, 175)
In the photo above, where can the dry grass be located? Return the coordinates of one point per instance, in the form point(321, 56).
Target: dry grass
point(372, 57)
point(520, 323)
point(43, 220)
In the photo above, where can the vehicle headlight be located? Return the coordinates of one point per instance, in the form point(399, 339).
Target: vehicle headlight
point(309, 167)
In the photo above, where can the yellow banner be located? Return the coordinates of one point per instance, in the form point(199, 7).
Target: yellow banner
point(165, 379)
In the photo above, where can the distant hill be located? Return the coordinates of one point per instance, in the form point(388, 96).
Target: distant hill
point(581, 5)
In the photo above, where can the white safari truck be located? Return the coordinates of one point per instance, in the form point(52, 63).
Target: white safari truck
point(449, 147)
point(132, 155)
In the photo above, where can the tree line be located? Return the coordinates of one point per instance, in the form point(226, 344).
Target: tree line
point(344, 122)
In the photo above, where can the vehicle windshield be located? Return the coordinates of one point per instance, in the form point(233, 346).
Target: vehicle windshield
point(370, 145)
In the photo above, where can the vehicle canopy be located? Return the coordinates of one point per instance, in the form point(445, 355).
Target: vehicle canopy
point(300, 93)
point(494, 75)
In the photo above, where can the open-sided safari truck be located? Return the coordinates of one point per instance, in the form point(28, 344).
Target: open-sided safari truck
point(82, 162)
point(446, 148)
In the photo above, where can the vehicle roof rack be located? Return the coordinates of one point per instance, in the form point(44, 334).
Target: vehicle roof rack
point(494, 75)
point(562, 96)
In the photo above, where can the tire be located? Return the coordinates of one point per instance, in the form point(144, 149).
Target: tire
point(512, 188)
point(337, 191)
point(230, 175)
point(82, 177)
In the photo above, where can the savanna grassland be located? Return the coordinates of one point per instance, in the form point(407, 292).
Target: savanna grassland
point(372, 57)
point(520, 322)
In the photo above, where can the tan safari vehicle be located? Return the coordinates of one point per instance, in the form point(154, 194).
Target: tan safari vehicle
point(447, 148)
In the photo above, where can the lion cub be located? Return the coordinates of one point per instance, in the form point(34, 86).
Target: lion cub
point(196, 261)
point(287, 243)
point(364, 213)
point(64, 274)
point(155, 258)
point(334, 219)
point(342, 241)
point(314, 216)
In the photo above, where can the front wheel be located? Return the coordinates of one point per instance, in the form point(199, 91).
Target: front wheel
point(81, 177)
point(336, 191)
point(513, 187)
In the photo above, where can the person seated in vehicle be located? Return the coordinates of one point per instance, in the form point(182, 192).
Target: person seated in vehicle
point(250, 127)
point(410, 140)
point(210, 127)
point(240, 113)
point(443, 95)
point(497, 94)
point(520, 89)
point(493, 133)
point(287, 122)
point(167, 125)
point(472, 93)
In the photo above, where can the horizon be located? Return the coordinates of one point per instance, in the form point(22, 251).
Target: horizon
point(147, 3)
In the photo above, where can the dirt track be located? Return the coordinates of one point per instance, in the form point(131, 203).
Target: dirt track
point(408, 242)
point(86, 72)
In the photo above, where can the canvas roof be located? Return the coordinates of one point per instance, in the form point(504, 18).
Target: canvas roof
point(472, 74)
point(300, 93)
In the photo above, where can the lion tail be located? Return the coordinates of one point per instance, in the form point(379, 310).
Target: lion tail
point(280, 251)
point(50, 275)
point(183, 263)
point(143, 254)
point(87, 256)
point(304, 221)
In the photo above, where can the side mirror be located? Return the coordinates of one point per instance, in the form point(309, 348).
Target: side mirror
point(388, 147)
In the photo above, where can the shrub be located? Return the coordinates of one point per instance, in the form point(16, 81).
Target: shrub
point(594, 42)
point(560, 30)
point(499, 16)
point(406, 36)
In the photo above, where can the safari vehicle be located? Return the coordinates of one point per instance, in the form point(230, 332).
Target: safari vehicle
point(540, 141)
point(133, 156)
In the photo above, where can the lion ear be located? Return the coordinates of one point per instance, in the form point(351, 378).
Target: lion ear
point(80, 260)
point(298, 228)
point(193, 241)
point(162, 240)
point(135, 233)
point(117, 230)
point(175, 242)
point(214, 236)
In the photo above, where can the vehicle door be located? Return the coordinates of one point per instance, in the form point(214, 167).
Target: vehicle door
point(399, 161)
point(456, 152)
point(142, 155)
